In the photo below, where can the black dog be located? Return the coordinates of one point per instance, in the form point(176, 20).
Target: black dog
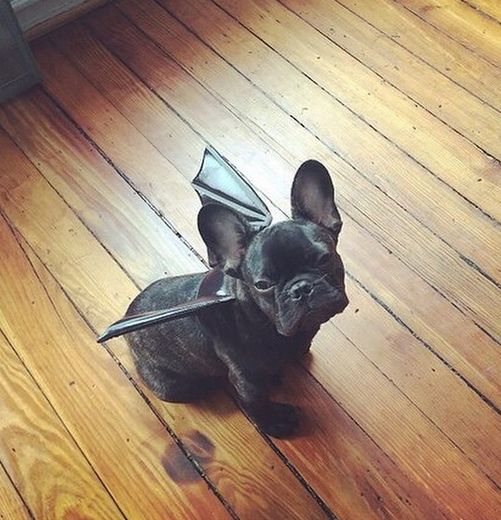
point(288, 279)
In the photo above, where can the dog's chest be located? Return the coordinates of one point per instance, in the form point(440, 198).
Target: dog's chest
point(243, 336)
point(262, 353)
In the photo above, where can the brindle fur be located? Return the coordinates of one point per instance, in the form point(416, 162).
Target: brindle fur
point(250, 340)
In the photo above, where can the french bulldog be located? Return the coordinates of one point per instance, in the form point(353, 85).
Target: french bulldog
point(287, 280)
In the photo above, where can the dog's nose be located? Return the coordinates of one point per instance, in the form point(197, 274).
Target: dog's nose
point(301, 289)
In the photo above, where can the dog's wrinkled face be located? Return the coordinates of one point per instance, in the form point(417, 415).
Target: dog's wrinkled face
point(292, 268)
point(295, 275)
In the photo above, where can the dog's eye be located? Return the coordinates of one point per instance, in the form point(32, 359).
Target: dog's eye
point(263, 285)
point(324, 259)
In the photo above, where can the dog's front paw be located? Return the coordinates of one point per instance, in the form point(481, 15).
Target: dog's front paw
point(278, 420)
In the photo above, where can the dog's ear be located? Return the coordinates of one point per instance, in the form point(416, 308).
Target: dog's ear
point(312, 197)
point(226, 235)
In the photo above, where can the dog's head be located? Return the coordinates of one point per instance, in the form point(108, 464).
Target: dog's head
point(292, 268)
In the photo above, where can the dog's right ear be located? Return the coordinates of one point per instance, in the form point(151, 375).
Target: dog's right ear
point(226, 235)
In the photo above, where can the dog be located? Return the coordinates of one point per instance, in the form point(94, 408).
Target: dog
point(287, 279)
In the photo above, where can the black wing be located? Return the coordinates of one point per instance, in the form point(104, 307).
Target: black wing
point(148, 319)
point(218, 181)
point(211, 292)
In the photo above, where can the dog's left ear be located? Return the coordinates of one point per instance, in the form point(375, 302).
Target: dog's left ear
point(226, 235)
point(312, 197)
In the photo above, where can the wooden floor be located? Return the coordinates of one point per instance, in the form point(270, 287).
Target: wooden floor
point(401, 394)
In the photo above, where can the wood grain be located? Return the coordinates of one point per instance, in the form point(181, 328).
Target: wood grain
point(489, 7)
point(173, 137)
point(11, 505)
point(446, 100)
point(462, 23)
point(116, 211)
point(396, 425)
point(430, 45)
point(349, 470)
point(354, 88)
point(122, 455)
point(427, 314)
point(388, 223)
point(37, 451)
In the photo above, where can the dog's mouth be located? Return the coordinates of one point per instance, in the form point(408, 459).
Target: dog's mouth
point(311, 318)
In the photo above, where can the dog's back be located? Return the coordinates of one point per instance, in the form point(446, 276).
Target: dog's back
point(178, 346)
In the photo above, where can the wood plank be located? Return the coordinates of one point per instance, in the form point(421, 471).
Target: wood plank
point(477, 364)
point(462, 23)
point(43, 461)
point(80, 108)
point(490, 7)
point(426, 381)
point(132, 442)
point(252, 490)
point(414, 130)
point(11, 505)
point(181, 199)
point(171, 136)
point(359, 90)
point(430, 316)
point(124, 209)
point(356, 196)
point(431, 46)
point(351, 470)
point(396, 426)
point(403, 69)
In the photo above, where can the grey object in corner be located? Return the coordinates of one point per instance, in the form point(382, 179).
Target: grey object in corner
point(17, 67)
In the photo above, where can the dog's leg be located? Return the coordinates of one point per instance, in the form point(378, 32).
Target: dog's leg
point(275, 419)
point(174, 388)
